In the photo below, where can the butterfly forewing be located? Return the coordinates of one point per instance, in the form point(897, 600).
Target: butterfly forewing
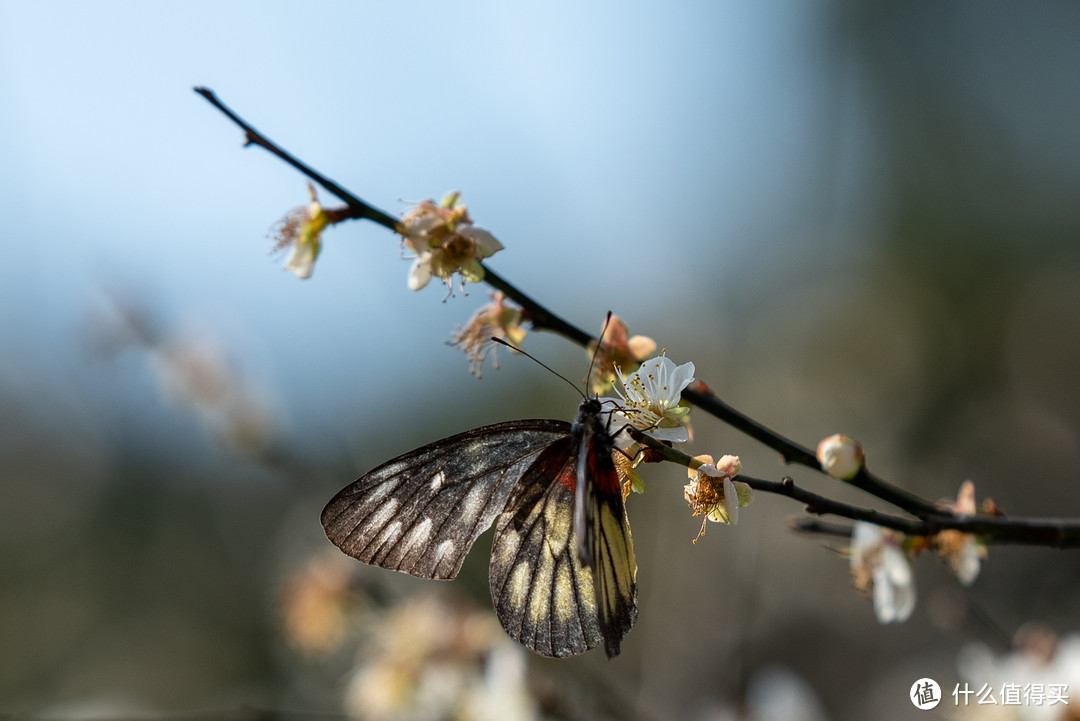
point(421, 512)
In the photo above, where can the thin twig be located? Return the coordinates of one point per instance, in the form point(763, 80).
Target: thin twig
point(358, 208)
point(541, 317)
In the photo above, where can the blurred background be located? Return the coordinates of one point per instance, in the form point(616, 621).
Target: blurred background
point(856, 218)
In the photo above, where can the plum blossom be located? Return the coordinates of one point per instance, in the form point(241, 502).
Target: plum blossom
point(962, 551)
point(301, 229)
point(445, 242)
point(713, 493)
point(882, 570)
point(650, 398)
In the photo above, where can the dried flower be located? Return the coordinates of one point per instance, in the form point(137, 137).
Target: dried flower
point(497, 319)
point(617, 353)
point(194, 373)
point(626, 464)
point(431, 659)
point(313, 605)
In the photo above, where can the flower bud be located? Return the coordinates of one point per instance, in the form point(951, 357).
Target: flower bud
point(841, 457)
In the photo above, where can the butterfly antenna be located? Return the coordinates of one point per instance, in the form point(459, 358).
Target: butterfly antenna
point(599, 345)
point(513, 347)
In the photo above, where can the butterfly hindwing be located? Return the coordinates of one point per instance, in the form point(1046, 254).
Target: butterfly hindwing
point(543, 595)
point(604, 542)
point(612, 549)
point(562, 560)
point(421, 512)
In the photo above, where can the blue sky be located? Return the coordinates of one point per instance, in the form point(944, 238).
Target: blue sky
point(604, 144)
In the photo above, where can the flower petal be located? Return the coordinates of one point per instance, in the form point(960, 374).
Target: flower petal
point(486, 243)
point(731, 501)
point(894, 586)
point(675, 435)
point(302, 260)
point(744, 492)
point(420, 273)
point(681, 376)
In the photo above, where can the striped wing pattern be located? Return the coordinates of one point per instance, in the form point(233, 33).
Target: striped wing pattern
point(611, 546)
point(543, 595)
point(421, 512)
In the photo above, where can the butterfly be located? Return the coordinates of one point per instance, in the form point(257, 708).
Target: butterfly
point(562, 570)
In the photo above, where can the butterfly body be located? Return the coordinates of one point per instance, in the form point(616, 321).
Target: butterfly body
point(562, 569)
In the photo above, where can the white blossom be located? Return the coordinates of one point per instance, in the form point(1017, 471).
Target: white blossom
point(650, 398)
point(882, 568)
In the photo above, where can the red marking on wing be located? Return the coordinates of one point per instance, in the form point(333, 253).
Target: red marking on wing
point(602, 471)
point(568, 476)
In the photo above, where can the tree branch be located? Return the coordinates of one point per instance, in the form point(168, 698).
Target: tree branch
point(1052, 532)
point(1057, 533)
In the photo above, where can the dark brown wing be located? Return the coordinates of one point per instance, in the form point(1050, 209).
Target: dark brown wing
point(421, 512)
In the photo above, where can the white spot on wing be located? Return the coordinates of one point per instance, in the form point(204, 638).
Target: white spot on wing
point(559, 519)
point(443, 549)
point(437, 481)
point(508, 546)
point(565, 603)
point(519, 584)
point(538, 602)
point(383, 514)
point(472, 505)
point(393, 529)
point(419, 533)
point(377, 493)
point(392, 469)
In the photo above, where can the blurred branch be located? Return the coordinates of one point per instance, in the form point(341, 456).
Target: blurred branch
point(1051, 532)
point(814, 526)
point(240, 713)
point(931, 519)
